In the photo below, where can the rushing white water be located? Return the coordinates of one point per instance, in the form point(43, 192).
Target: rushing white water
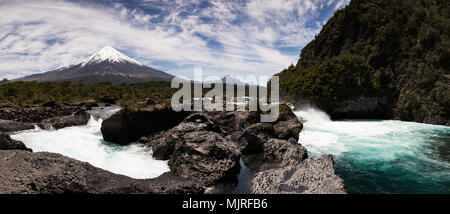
point(381, 156)
point(85, 143)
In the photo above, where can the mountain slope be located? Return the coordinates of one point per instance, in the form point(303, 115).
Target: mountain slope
point(378, 59)
point(107, 65)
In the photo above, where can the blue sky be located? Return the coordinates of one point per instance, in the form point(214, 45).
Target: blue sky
point(234, 37)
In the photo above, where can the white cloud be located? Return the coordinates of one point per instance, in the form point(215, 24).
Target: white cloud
point(40, 36)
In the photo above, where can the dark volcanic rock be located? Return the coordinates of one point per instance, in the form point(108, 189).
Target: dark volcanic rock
point(362, 108)
point(288, 129)
point(254, 137)
point(88, 105)
point(129, 126)
point(26, 172)
point(14, 126)
point(206, 156)
point(163, 143)
point(197, 148)
point(311, 176)
point(236, 120)
point(79, 118)
point(108, 100)
point(284, 151)
point(6, 143)
point(35, 114)
point(50, 104)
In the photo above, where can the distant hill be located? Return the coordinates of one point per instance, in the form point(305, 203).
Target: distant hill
point(107, 65)
point(378, 59)
point(232, 80)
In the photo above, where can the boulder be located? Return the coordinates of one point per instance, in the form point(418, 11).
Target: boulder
point(6, 143)
point(197, 148)
point(311, 176)
point(14, 126)
point(288, 129)
point(163, 143)
point(129, 126)
point(236, 120)
point(206, 156)
point(254, 137)
point(79, 118)
point(30, 173)
point(284, 151)
point(35, 114)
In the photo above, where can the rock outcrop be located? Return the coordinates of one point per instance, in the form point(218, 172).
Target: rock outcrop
point(362, 108)
point(14, 126)
point(197, 148)
point(311, 176)
point(285, 152)
point(129, 126)
point(35, 114)
point(208, 145)
point(6, 143)
point(16, 118)
point(78, 118)
point(254, 137)
point(24, 172)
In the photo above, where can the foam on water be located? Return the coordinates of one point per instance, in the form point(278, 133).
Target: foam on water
point(381, 156)
point(85, 143)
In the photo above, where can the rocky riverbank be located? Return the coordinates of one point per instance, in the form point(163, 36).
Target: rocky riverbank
point(47, 116)
point(207, 146)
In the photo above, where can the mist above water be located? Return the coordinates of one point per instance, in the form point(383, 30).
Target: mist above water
point(380, 156)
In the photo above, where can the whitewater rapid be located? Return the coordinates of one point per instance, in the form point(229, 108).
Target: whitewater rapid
point(85, 143)
point(381, 156)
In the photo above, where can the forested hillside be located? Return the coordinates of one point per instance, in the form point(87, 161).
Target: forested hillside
point(378, 59)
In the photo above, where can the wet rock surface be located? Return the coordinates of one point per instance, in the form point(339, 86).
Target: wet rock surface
point(209, 145)
point(16, 118)
point(197, 148)
point(129, 126)
point(78, 118)
point(6, 143)
point(14, 126)
point(48, 173)
point(311, 176)
point(284, 152)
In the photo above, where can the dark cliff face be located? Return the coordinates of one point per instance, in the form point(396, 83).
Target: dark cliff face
point(378, 59)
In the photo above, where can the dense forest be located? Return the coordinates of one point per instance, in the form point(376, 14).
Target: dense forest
point(31, 93)
point(395, 50)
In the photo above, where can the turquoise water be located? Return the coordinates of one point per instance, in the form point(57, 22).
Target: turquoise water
point(381, 156)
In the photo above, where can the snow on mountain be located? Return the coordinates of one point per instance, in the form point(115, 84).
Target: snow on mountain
point(109, 54)
point(107, 65)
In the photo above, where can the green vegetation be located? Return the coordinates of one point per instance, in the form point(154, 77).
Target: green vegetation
point(396, 49)
point(30, 93)
point(129, 95)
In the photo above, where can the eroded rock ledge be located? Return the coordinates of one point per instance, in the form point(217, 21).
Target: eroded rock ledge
point(50, 115)
point(49, 173)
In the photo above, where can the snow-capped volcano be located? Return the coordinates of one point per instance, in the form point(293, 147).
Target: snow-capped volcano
point(108, 54)
point(106, 65)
